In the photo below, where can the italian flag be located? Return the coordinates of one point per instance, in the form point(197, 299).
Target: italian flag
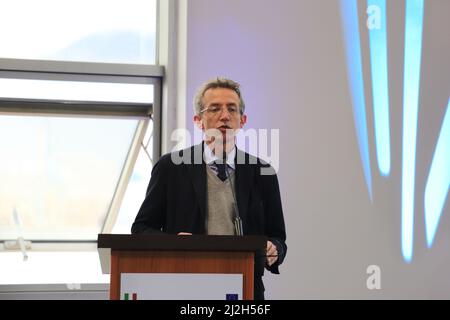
point(126, 296)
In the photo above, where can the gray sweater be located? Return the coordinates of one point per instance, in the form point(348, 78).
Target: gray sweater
point(219, 204)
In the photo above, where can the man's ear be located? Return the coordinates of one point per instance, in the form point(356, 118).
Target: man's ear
point(243, 120)
point(198, 122)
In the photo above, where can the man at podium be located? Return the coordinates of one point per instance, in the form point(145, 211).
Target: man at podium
point(215, 188)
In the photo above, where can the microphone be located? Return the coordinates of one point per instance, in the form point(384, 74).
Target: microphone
point(237, 217)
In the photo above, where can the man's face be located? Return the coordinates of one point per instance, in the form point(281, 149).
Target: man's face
point(221, 112)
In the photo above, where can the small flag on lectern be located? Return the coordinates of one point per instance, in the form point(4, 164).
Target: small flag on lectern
point(231, 296)
point(127, 296)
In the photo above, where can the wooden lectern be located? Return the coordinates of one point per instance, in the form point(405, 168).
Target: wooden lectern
point(162, 253)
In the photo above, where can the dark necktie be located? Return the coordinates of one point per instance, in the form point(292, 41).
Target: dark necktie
point(221, 170)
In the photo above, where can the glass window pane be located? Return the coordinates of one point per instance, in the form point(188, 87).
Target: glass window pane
point(137, 187)
point(51, 267)
point(79, 30)
point(59, 174)
point(76, 90)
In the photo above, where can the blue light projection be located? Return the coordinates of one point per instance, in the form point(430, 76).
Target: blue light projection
point(349, 14)
point(438, 182)
point(379, 67)
point(411, 85)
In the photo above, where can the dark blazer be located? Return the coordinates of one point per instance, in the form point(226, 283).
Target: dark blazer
point(176, 201)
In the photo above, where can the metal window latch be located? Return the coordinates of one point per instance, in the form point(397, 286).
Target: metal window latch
point(19, 244)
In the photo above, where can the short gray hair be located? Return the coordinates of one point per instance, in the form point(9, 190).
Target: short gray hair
point(217, 83)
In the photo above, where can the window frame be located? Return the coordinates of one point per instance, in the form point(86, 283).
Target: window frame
point(90, 72)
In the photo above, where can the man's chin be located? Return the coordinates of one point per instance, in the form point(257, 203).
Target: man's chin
point(219, 145)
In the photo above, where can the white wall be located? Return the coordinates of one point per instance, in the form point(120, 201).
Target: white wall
point(289, 57)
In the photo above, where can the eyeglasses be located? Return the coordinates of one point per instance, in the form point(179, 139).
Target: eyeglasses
point(216, 110)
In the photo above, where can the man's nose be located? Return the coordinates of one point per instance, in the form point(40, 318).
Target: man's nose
point(225, 114)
